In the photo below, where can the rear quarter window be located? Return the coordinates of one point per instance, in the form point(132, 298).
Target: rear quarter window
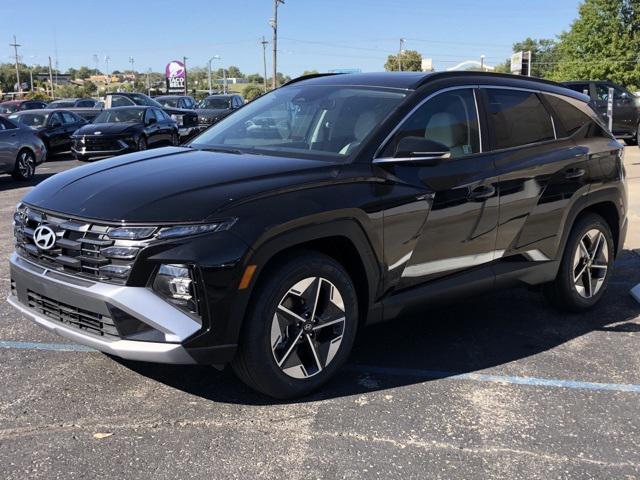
point(517, 118)
point(574, 120)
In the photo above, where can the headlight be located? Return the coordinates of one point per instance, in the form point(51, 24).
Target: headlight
point(186, 230)
point(131, 233)
point(179, 119)
point(175, 283)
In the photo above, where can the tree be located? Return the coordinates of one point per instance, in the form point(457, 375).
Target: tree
point(309, 72)
point(255, 78)
point(234, 72)
point(411, 62)
point(603, 43)
point(251, 92)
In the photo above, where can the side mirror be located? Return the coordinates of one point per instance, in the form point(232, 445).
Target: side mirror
point(151, 121)
point(421, 149)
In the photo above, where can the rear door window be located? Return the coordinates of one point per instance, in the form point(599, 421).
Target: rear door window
point(517, 118)
point(579, 87)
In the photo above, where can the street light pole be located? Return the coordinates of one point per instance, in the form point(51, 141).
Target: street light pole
point(400, 55)
point(274, 24)
point(215, 57)
point(264, 61)
point(482, 63)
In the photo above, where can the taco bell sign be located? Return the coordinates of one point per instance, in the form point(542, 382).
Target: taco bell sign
point(175, 75)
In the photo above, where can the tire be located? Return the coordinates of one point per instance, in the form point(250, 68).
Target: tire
point(25, 167)
point(175, 140)
point(636, 139)
point(141, 144)
point(588, 255)
point(268, 359)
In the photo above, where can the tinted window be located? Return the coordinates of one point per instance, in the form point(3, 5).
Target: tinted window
point(149, 115)
point(571, 117)
point(8, 108)
point(68, 117)
point(449, 118)
point(56, 120)
point(602, 92)
point(161, 115)
point(518, 118)
point(30, 119)
point(119, 115)
point(120, 101)
point(6, 124)
point(85, 103)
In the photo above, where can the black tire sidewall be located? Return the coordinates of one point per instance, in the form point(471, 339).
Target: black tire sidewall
point(142, 141)
point(255, 348)
point(568, 295)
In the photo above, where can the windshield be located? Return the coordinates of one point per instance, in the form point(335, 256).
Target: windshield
point(314, 121)
point(141, 99)
point(10, 108)
point(121, 115)
point(216, 103)
point(168, 102)
point(61, 104)
point(31, 119)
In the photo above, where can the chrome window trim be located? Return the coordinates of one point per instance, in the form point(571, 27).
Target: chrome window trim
point(412, 111)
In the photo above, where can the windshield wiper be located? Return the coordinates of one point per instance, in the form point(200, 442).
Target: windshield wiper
point(235, 151)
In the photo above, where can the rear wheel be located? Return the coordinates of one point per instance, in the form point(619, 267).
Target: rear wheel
point(586, 266)
point(301, 328)
point(636, 138)
point(142, 144)
point(175, 140)
point(25, 167)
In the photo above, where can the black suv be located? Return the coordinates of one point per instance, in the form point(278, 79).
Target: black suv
point(214, 108)
point(626, 107)
point(329, 204)
point(187, 120)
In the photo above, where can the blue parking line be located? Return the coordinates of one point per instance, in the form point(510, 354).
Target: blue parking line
point(418, 374)
point(483, 377)
point(58, 347)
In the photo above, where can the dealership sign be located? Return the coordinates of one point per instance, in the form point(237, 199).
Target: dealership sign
point(175, 75)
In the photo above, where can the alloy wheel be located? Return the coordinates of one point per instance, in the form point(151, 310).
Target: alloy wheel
point(590, 263)
point(308, 327)
point(26, 165)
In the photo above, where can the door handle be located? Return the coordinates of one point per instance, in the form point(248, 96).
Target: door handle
point(482, 192)
point(574, 173)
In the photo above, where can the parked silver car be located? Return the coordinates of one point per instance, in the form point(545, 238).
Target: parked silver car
point(20, 150)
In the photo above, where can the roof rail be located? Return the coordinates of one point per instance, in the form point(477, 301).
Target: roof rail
point(307, 77)
point(459, 73)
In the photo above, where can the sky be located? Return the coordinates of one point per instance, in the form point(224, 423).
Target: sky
point(312, 34)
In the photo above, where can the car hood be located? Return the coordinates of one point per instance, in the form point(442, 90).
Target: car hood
point(106, 128)
point(173, 184)
point(211, 112)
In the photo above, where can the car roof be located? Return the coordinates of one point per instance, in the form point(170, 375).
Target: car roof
point(172, 96)
point(134, 107)
point(220, 95)
point(41, 110)
point(415, 80)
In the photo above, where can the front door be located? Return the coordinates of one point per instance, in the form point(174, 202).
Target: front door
point(624, 109)
point(445, 218)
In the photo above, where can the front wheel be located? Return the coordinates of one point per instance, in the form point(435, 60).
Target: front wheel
point(586, 266)
point(175, 139)
point(25, 167)
point(142, 144)
point(301, 328)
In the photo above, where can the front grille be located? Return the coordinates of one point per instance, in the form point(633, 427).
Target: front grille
point(92, 144)
point(88, 322)
point(78, 248)
point(190, 119)
point(206, 121)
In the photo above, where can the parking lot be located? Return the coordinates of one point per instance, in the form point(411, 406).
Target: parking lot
point(500, 386)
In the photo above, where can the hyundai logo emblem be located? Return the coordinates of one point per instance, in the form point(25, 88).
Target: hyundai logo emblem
point(44, 237)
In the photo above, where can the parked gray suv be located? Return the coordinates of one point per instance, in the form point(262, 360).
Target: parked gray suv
point(20, 150)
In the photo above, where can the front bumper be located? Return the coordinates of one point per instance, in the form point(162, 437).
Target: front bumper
point(29, 279)
point(189, 131)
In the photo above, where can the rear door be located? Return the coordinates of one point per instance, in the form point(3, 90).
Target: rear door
point(56, 132)
point(540, 173)
point(446, 222)
point(8, 143)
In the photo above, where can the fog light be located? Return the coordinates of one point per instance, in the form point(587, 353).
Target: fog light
point(176, 284)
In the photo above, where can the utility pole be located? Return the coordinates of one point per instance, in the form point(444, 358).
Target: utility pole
point(400, 55)
point(264, 61)
point(215, 57)
point(50, 78)
point(131, 61)
point(106, 62)
point(482, 63)
point(184, 62)
point(274, 25)
point(15, 46)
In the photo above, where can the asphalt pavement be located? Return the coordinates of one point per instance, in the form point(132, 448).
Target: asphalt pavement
point(499, 386)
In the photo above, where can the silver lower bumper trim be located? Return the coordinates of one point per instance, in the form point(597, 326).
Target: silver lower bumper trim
point(139, 302)
point(129, 349)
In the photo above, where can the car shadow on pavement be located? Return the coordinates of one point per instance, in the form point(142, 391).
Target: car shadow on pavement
point(7, 182)
point(480, 333)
